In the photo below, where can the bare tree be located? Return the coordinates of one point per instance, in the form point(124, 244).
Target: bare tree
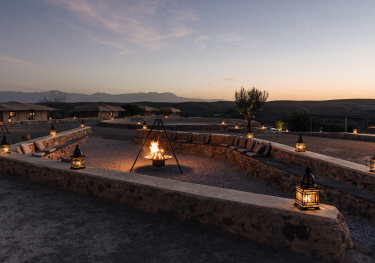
point(248, 102)
point(54, 100)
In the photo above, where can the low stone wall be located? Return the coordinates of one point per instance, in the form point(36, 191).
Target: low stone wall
point(52, 141)
point(66, 150)
point(30, 122)
point(270, 220)
point(271, 173)
point(340, 135)
point(344, 171)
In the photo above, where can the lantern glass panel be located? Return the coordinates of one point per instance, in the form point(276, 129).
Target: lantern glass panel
point(52, 132)
point(300, 147)
point(354, 130)
point(250, 135)
point(77, 162)
point(372, 166)
point(307, 198)
point(5, 149)
point(145, 127)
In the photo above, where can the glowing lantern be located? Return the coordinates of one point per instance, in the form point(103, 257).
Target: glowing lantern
point(223, 122)
point(286, 130)
point(250, 134)
point(5, 146)
point(10, 120)
point(307, 192)
point(52, 131)
point(236, 126)
point(371, 163)
point(74, 117)
point(82, 124)
point(77, 159)
point(139, 122)
point(263, 127)
point(321, 129)
point(354, 130)
point(50, 118)
point(166, 117)
point(144, 125)
point(300, 145)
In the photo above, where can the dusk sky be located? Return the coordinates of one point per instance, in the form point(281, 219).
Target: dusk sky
point(296, 50)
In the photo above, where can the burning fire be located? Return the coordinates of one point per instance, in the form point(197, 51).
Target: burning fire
point(156, 154)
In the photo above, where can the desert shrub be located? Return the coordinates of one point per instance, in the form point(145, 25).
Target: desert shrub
point(132, 108)
point(280, 125)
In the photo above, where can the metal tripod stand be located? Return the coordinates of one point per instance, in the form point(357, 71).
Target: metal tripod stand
point(159, 122)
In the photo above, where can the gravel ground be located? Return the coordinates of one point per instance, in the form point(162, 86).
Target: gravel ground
point(196, 169)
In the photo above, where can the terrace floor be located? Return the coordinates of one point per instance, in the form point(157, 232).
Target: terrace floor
point(43, 224)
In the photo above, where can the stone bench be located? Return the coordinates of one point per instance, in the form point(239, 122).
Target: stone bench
point(321, 234)
point(349, 199)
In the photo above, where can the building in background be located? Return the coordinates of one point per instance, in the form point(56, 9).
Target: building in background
point(17, 111)
point(169, 111)
point(98, 109)
point(147, 110)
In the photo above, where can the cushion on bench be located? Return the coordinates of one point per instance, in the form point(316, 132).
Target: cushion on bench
point(260, 148)
point(229, 140)
point(250, 145)
point(25, 148)
point(267, 149)
point(236, 140)
point(38, 154)
point(242, 142)
point(243, 150)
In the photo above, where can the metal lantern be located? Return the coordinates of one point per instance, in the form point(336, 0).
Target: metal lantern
point(354, 130)
point(5, 146)
point(286, 130)
point(236, 126)
point(82, 124)
point(223, 122)
point(250, 134)
point(77, 159)
point(263, 127)
point(138, 122)
point(321, 129)
point(74, 117)
point(50, 118)
point(371, 164)
point(144, 125)
point(52, 131)
point(300, 145)
point(307, 192)
point(10, 120)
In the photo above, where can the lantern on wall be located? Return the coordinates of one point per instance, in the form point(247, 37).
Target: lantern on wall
point(52, 131)
point(263, 127)
point(74, 117)
point(5, 146)
point(250, 134)
point(144, 125)
point(50, 118)
point(307, 192)
point(223, 122)
point(354, 131)
point(77, 159)
point(300, 145)
point(321, 129)
point(10, 120)
point(82, 124)
point(371, 164)
point(236, 126)
point(138, 122)
point(286, 130)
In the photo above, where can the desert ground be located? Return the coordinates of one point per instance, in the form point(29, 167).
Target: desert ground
point(44, 224)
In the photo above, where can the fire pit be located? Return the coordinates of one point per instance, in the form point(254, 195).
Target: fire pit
point(157, 155)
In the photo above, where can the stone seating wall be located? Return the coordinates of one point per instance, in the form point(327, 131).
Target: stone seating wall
point(321, 234)
point(361, 203)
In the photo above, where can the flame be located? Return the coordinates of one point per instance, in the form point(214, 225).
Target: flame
point(155, 152)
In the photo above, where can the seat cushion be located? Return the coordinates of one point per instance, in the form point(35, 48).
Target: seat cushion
point(224, 144)
point(242, 142)
point(18, 150)
point(39, 145)
point(260, 148)
point(25, 148)
point(207, 139)
point(236, 140)
point(250, 145)
point(229, 140)
point(243, 150)
point(48, 150)
point(268, 148)
point(201, 137)
point(184, 136)
point(234, 147)
point(38, 154)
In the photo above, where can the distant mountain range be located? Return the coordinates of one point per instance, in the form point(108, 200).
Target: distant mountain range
point(33, 97)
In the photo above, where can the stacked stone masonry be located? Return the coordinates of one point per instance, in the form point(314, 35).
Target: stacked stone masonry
point(284, 180)
point(270, 220)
